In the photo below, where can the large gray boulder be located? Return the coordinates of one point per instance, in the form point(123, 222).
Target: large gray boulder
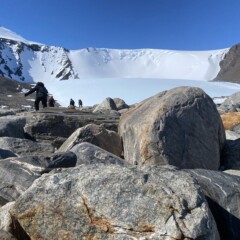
point(223, 195)
point(15, 178)
point(23, 147)
point(97, 135)
point(12, 126)
point(180, 127)
point(88, 153)
point(107, 105)
point(120, 104)
point(111, 202)
point(231, 104)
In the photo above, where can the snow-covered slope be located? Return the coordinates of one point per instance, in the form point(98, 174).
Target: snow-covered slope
point(94, 74)
point(142, 63)
point(24, 60)
point(8, 34)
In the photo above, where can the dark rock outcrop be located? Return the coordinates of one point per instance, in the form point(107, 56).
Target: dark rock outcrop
point(230, 158)
point(5, 153)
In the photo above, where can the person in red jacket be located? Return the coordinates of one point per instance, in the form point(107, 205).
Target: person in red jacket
point(51, 101)
point(41, 95)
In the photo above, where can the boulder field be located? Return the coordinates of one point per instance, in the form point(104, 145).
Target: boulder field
point(161, 169)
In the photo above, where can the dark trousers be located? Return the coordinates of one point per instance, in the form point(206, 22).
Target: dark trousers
point(51, 104)
point(38, 100)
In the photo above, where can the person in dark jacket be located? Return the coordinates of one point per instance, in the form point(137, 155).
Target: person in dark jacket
point(80, 103)
point(41, 95)
point(72, 102)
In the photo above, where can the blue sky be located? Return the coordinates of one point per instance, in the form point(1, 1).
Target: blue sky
point(125, 24)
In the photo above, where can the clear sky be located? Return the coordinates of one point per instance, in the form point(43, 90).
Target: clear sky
point(125, 24)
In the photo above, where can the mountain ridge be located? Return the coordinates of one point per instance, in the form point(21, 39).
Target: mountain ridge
point(31, 62)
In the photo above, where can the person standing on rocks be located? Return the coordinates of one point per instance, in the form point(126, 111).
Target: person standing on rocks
point(80, 103)
point(72, 104)
point(51, 101)
point(41, 95)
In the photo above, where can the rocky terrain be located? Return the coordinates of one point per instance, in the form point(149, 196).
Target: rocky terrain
point(11, 93)
point(166, 168)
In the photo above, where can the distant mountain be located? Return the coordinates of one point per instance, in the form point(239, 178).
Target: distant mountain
point(29, 61)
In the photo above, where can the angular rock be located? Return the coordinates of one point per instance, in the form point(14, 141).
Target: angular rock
point(231, 104)
point(107, 104)
point(5, 217)
point(88, 153)
point(12, 126)
point(15, 178)
point(23, 147)
point(120, 104)
point(233, 172)
point(97, 135)
point(180, 127)
point(236, 129)
point(111, 202)
point(42, 164)
point(231, 135)
point(223, 195)
point(17, 174)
